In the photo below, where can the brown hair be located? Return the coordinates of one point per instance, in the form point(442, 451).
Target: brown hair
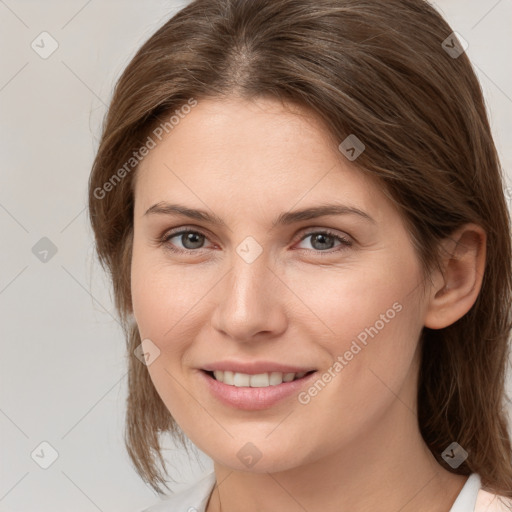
point(366, 67)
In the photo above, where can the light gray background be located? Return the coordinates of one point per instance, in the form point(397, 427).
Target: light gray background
point(63, 365)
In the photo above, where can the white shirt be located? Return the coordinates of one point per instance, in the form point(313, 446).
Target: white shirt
point(472, 498)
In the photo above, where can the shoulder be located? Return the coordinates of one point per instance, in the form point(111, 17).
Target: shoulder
point(191, 499)
point(489, 502)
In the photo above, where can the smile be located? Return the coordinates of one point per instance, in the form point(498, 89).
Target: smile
point(260, 380)
point(253, 392)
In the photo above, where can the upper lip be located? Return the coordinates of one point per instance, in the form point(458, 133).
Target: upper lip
point(256, 367)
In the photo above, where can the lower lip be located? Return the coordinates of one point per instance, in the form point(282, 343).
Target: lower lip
point(254, 399)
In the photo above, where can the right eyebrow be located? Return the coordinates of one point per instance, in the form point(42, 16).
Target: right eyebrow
point(177, 209)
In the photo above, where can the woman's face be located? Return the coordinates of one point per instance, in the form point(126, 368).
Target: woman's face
point(257, 289)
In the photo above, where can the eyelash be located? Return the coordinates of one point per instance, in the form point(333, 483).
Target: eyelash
point(344, 242)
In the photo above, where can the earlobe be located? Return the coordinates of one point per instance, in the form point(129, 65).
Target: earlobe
point(456, 289)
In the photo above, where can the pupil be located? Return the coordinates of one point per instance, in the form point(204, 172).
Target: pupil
point(189, 239)
point(322, 236)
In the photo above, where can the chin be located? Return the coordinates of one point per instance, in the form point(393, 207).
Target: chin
point(258, 456)
point(267, 464)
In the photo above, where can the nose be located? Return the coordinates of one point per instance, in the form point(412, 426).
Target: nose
point(250, 301)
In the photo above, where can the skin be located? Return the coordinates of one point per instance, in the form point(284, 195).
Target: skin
point(356, 445)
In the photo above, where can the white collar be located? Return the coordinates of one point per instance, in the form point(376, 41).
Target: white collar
point(466, 500)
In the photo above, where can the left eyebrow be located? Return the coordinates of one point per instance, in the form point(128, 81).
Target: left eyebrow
point(320, 211)
point(285, 218)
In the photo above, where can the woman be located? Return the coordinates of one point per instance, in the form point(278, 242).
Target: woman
point(302, 210)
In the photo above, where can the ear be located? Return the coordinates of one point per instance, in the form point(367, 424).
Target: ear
point(456, 288)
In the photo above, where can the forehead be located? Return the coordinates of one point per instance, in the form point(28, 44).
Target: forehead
point(244, 153)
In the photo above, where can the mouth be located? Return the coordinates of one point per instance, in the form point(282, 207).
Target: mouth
point(260, 380)
point(255, 392)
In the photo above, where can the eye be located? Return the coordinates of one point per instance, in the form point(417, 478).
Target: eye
point(190, 240)
point(324, 239)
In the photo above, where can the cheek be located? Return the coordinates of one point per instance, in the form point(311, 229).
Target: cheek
point(369, 328)
point(356, 301)
point(148, 299)
point(368, 321)
point(167, 299)
point(150, 295)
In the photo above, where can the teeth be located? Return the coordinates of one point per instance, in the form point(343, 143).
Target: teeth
point(260, 380)
point(287, 377)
